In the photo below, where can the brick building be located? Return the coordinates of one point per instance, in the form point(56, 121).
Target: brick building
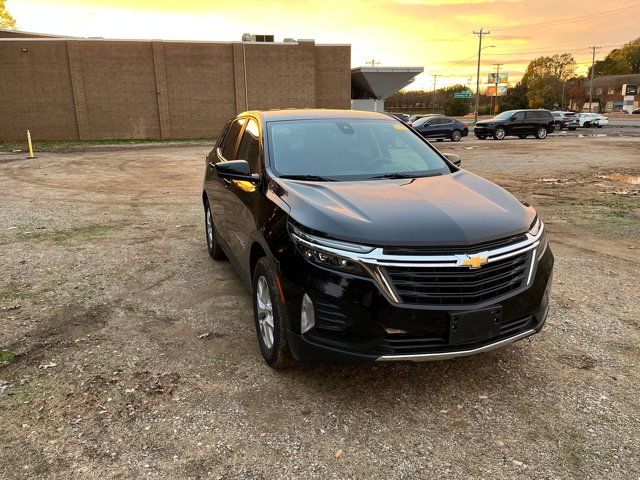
point(607, 93)
point(64, 88)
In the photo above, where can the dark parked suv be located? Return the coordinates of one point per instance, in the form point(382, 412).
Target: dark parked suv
point(361, 242)
point(518, 123)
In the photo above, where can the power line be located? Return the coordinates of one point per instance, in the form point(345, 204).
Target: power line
point(566, 20)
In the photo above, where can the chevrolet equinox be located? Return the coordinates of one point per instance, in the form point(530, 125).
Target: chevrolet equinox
point(361, 242)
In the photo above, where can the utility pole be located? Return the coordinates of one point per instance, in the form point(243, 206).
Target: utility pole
point(433, 98)
point(480, 34)
point(593, 63)
point(497, 67)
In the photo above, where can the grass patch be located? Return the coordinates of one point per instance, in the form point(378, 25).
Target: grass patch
point(6, 356)
point(60, 146)
point(59, 236)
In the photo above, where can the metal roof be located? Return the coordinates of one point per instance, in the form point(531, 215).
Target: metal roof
point(382, 82)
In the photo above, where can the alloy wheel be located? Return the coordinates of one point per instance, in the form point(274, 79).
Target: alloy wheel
point(209, 227)
point(500, 134)
point(265, 312)
point(456, 136)
point(542, 133)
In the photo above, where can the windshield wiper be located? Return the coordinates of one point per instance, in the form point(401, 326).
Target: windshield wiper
point(313, 178)
point(392, 175)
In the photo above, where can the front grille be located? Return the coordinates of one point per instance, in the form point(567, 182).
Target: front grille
point(459, 285)
point(412, 344)
point(448, 250)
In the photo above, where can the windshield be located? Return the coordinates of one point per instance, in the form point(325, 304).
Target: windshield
point(504, 115)
point(334, 150)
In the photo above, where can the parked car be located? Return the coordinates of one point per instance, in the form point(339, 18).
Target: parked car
point(588, 120)
point(403, 117)
point(440, 127)
point(519, 123)
point(636, 111)
point(361, 242)
point(568, 120)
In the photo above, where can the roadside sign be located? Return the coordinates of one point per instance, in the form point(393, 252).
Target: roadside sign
point(501, 78)
point(462, 95)
point(491, 91)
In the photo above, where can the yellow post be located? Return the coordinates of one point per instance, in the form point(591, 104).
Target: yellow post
point(31, 155)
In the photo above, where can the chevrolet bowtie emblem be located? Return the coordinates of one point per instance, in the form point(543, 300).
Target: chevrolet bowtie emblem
point(474, 262)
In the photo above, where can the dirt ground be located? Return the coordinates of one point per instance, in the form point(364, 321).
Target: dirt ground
point(126, 352)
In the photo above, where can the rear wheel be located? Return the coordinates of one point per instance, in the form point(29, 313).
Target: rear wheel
point(499, 133)
point(270, 316)
point(456, 136)
point(541, 133)
point(587, 125)
point(213, 247)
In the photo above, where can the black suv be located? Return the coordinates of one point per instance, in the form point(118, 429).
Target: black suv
point(518, 123)
point(362, 242)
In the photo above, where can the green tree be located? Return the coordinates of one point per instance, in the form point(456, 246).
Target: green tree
point(620, 61)
point(450, 104)
point(6, 20)
point(516, 98)
point(544, 78)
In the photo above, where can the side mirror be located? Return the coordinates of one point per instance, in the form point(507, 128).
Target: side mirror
point(236, 170)
point(453, 158)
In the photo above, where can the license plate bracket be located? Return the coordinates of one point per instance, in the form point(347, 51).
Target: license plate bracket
point(469, 327)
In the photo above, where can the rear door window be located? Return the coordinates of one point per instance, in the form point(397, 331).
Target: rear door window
point(519, 116)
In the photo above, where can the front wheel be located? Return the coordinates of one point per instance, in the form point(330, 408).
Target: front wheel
point(499, 133)
point(270, 316)
point(456, 136)
point(587, 125)
point(541, 133)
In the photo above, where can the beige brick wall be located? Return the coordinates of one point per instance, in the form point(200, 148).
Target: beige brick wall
point(69, 89)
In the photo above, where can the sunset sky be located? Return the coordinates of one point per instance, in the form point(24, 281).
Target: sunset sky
point(435, 34)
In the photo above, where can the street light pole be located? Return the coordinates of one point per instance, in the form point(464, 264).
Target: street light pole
point(593, 63)
point(480, 34)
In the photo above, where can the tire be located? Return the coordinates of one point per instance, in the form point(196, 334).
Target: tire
point(213, 247)
point(541, 133)
point(499, 133)
point(272, 336)
point(456, 136)
point(557, 127)
point(481, 137)
point(522, 136)
point(587, 125)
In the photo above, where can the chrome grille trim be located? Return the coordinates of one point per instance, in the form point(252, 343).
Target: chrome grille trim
point(374, 261)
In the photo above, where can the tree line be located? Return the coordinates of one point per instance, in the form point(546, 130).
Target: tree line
point(548, 82)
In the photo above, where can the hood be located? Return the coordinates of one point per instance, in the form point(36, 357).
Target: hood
point(456, 209)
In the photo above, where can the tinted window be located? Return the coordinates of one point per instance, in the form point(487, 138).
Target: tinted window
point(249, 148)
point(421, 121)
point(504, 115)
point(231, 139)
point(518, 116)
point(350, 149)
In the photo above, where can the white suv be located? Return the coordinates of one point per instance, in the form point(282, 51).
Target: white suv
point(587, 120)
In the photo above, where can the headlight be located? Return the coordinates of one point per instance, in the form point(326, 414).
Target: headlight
point(538, 230)
point(326, 252)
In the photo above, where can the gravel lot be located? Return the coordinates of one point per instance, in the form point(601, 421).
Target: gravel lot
point(126, 352)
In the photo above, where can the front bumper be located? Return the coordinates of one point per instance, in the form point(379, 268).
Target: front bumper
point(356, 322)
point(482, 130)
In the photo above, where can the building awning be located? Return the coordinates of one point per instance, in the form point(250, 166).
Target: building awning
point(381, 82)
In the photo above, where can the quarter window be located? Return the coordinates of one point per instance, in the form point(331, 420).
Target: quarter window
point(249, 148)
point(229, 147)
